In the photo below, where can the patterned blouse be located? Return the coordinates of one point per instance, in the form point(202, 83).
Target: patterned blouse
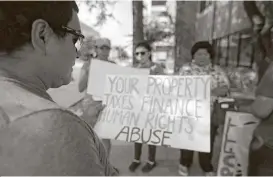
point(218, 75)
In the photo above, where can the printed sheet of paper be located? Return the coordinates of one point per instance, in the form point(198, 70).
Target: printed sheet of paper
point(98, 72)
point(171, 111)
point(237, 136)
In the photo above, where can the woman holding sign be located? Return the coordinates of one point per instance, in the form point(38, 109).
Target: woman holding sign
point(202, 54)
point(144, 60)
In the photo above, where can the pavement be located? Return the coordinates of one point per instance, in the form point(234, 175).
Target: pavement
point(167, 159)
point(122, 152)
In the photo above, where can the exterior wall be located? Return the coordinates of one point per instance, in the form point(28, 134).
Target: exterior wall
point(204, 24)
point(228, 17)
point(227, 26)
point(239, 19)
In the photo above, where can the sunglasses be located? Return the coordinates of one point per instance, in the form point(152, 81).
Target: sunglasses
point(78, 40)
point(140, 53)
point(105, 48)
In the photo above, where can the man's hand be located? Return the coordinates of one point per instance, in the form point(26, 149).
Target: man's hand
point(92, 110)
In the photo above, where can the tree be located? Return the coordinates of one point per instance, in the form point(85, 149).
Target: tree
point(102, 8)
point(157, 31)
point(138, 33)
point(152, 32)
point(120, 53)
point(184, 31)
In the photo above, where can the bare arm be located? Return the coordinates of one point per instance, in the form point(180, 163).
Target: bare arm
point(84, 76)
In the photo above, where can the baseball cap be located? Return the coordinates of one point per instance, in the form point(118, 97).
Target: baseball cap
point(103, 42)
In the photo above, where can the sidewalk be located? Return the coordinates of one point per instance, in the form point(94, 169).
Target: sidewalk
point(167, 159)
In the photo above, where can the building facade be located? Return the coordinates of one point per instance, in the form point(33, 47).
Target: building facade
point(224, 23)
point(227, 26)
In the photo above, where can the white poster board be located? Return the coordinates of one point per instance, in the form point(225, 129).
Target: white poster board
point(100, 69)
point(237, 136)
point(171, 111)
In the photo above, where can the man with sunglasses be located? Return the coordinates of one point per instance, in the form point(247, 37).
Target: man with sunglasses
point(37, 52)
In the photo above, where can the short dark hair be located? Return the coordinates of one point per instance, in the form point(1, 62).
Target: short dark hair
point(202, 45)
point(16, 18)
point(146, 45)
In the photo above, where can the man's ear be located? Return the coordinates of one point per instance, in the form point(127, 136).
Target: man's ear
point(40, 33)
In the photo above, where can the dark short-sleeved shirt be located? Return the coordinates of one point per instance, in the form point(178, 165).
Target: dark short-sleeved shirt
point(265, 88)
point(38, 138)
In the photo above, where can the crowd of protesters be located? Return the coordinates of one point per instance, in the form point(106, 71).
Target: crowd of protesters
point(39, 44)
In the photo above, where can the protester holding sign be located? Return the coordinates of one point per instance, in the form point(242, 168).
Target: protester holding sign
point(144, 60)
point(102, 48)
point(261, 157)
point(202, 54)
point(38, 137)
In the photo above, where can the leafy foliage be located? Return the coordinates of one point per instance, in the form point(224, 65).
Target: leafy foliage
point(121, 53)
point(102, 7)
point(157, 31)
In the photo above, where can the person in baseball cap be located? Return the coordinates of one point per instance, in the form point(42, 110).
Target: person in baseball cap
point(103, 46)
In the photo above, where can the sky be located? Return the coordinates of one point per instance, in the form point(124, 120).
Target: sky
point(118, 30)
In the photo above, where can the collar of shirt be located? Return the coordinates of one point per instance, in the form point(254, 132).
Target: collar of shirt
point(25, 84)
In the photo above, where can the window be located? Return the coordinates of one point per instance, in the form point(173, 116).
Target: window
point(235, 50)
point(159, 3)
point(204, 5)
point(246, 52)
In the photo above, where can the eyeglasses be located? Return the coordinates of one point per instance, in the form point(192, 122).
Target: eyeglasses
point(140, 53)
point(78, 41)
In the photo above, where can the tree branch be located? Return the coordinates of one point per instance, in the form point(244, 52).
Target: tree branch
point(102, 7)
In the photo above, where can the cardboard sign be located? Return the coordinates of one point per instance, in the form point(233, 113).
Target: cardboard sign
point(98, 72)
point(171, 111)
point(237, 136)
